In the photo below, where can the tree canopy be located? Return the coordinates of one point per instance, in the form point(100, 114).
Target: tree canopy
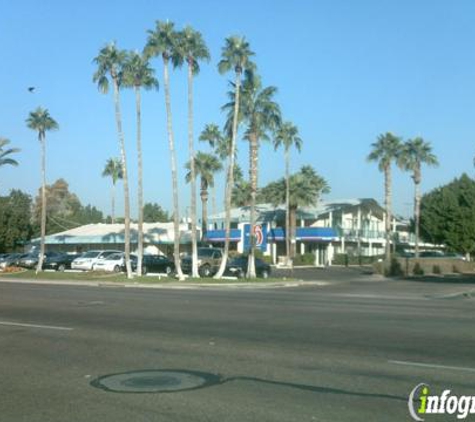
point(448, 215)
point(306, 187)
point(15, 220)
point(154, 213)
point(41, 121)
point(64, 209)
point(6, 152)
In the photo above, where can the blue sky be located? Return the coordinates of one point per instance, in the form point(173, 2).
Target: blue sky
point(346, 72)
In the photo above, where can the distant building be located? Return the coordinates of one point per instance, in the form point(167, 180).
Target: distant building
point(158, 238)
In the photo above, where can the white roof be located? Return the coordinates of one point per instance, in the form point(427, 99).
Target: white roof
point(155, 233)
point(266, 212)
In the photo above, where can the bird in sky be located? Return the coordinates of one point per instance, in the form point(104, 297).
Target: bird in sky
point(31, 89)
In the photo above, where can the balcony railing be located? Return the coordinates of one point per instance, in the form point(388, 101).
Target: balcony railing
point(355, 235)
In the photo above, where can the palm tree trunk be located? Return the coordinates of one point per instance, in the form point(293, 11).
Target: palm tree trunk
point(43, 203)
point(230, 179)
point(387, 203)
point(213, 199)
point(253, 158)
point(204, 208)
point(118, 118)
point(417, 209)
point(140, 182)
point(113, 202)
point(293, 225)
point(194, 246)
point(171, 145)
point(287, 205)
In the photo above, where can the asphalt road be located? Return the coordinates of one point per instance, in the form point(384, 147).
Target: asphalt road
point(351, 350)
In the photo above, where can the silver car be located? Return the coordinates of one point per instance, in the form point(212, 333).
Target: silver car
point(87, 260)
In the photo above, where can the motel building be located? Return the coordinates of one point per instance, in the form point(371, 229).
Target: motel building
point(354, 227)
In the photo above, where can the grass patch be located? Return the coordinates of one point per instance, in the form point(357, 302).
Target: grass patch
point(122, 278)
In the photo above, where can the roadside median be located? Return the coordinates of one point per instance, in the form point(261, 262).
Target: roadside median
point(99, 279)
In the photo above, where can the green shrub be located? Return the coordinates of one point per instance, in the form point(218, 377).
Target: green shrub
point(266, 258)
point(418, 270)
point(436, 269)
point(340, 259)
point(378, 267)
point(305, 259)
point(395, 269)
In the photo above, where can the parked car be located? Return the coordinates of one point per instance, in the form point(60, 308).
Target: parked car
point(87, 261)
point(111, 263)
point(3, 258)
point(11, 260)
point(238, 267)
point(59, 262)
point(431, 254)
point(153, 264)
point(31, 260)
point(28, 261)
point(209, 260)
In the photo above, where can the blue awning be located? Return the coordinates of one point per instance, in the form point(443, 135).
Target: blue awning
point(220, 235)
point(305, 234)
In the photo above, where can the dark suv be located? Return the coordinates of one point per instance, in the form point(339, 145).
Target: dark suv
point(209, 260)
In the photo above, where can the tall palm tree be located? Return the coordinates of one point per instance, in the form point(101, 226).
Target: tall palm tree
point(386, 150)
point(241, 196)
point(110, 63)
point(163, 42)
point(261, 114)
point(138, 74)
point(191, 49)
point(287, 136)
point(41, 121)
point(216, 140)
point(4, 153)
point(206, 165)
point(306, 188)
point(113, 169)
point(235, 55)
point(221, 146)
point(414, 153)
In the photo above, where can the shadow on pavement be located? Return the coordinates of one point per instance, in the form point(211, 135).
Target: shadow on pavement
point(179, 380)
point(448, 278)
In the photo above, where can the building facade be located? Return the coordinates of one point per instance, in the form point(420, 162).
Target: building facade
point(354, 227)
point(349, 227)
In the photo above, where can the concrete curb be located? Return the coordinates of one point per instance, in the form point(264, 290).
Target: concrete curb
point(171, 285)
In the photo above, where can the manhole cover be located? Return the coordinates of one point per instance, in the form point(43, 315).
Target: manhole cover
point(155, 381)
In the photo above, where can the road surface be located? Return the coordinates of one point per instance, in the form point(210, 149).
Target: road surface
point(351, 350)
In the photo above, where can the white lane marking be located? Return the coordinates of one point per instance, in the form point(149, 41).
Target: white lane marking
point(21, 324)
point(376, 296)
point(433, 366)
